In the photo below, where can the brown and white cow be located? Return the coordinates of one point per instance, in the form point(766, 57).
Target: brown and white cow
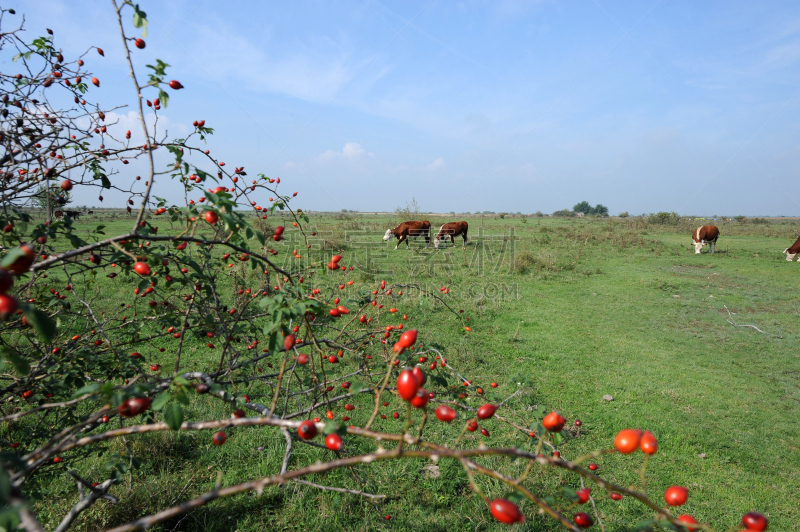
point(792, 251)
point(451, 229)
point(708, 234)
point(407, 230)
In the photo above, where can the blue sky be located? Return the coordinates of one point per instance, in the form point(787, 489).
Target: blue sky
point(505, 106)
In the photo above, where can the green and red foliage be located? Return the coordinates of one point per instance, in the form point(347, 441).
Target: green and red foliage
point(76, 368)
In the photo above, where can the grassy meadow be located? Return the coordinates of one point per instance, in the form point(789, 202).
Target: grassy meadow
point(572, 310)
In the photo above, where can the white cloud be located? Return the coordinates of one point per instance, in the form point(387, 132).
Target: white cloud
point(352, 149)
point(350, 152)
point(119, 123)
point(315, 69)
point(438, 164)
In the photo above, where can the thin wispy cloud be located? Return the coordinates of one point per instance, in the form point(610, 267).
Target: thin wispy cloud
point(438, 164)
point(321, 97)
point(350, 152)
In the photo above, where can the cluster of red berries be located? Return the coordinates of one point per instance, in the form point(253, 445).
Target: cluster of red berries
point(8, 303)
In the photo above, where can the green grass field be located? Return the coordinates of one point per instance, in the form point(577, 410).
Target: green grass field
point(577, 309)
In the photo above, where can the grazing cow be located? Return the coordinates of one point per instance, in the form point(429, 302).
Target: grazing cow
point(89, 212)
point(451, 229)
point(407, 230)
point(792, 251)
point(59, 215)
point(708, 234)
point(72, 214)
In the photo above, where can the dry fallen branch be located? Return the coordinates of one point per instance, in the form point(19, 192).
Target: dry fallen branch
point(730, 320)
point(340, 490)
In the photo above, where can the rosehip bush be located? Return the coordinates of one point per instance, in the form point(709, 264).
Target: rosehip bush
point(290, 359)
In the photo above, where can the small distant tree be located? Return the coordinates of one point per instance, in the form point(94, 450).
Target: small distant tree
point(410, 211)
point(502, 215)
point(664, 218)
point(740, 218)
point(50, 199)
point(624, 214)
point(539, 214)
point(564, 213)
point(583, 207)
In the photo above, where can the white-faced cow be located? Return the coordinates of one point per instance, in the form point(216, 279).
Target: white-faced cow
point(792, 251)
point(451, 229)
point(407, 230)
point(708, 234)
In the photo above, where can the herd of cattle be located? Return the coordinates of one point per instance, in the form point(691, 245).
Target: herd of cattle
point(60, 215)
point(702, 236)
point(422, 228)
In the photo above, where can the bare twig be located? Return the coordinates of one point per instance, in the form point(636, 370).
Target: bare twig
point(340, 490)
point(95, 492)
point(594, 508)
point(288, 455)
point(14, 417)
point(730, 320)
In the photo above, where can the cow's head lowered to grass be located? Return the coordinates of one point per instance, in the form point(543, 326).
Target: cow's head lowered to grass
point(411, 229)
point(791, 252)
point(706, 235)
point(451, 230)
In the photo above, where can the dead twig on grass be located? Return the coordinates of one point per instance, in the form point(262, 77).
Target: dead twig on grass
point(730, 320)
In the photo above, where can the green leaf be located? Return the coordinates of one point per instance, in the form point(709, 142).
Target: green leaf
point(164, 97)
point(5, 485)
point(43, 323)
point(9, 517)
point(515, 497)
point(643, 524)
point(11, 256)
point(274, 344)
point(140, 19)
point(160, 401)
point(89, 388)
point(16, 360)
point(569, 493)
point(334, 426)
point(357, 387)
point(173, 415)
point(181, 397)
